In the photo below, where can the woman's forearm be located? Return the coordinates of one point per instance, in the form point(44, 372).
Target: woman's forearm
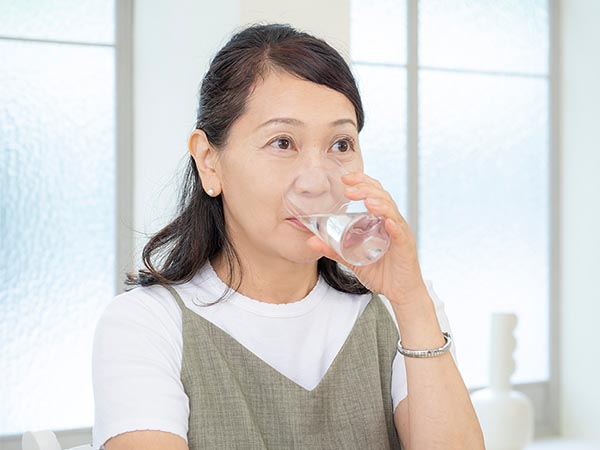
point(441, 415)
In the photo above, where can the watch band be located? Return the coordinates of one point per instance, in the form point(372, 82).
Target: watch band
point(427, 353)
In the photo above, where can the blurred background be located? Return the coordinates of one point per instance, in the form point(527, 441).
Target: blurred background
point(482, 120)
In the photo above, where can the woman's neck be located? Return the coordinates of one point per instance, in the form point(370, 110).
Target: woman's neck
point(283, 282)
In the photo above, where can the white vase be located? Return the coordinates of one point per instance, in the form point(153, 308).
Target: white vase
point(506, 416)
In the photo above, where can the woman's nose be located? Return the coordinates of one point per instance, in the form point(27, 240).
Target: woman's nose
point(313, 182)
point(313, 177)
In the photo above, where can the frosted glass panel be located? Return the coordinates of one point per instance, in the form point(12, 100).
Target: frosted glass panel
point(492, 35)
point(484, 211)
point(70, 20)
point(383, 139)
point(378, 31)
point(57, 228)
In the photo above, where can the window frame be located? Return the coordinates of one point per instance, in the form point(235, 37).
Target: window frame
point(124, 139)
point(124, 243)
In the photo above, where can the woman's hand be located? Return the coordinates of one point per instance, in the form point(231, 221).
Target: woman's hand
point(397, 274)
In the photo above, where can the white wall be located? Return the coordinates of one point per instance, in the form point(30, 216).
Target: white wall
point(173, 44)
point(328, 20)
point(580, 234)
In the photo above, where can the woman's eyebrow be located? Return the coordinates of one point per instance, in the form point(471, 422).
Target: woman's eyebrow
point(291, 121)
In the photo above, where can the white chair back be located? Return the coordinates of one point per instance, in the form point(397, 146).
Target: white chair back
point(45, 440)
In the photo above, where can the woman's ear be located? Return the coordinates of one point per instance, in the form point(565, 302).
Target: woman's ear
point(205, 158)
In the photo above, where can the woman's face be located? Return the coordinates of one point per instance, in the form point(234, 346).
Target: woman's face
point(263, 155)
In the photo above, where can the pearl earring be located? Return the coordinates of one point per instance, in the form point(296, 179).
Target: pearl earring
point(210, 192)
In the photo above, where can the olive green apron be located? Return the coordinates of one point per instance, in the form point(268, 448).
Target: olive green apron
point(238, 401)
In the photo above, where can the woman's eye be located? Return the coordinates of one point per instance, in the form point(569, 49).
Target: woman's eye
point(345, 145)
point(282, 143)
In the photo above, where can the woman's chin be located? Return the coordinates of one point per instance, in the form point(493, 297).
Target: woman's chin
point(302, 254)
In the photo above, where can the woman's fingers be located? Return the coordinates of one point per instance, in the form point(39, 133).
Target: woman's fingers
point(378, 201)
point(380, 207)
point(387, 210)
point(358, 177)
point(397, 230)
point(361, 191)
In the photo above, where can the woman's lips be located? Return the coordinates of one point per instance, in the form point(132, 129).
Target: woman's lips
point(295, 222)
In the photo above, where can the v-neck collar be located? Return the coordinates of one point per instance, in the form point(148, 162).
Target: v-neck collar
point(259, 362)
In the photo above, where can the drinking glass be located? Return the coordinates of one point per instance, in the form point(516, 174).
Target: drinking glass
point(316, 198)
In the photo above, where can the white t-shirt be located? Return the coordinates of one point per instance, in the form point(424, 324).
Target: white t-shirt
point(137, 349)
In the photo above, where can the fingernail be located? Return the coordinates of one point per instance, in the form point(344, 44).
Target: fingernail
point(352, 189)
point(373, 201)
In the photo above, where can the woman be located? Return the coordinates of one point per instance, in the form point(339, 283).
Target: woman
point(297, 352)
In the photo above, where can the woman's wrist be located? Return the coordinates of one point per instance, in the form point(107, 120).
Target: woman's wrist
point(411, 302)
point(418, 322)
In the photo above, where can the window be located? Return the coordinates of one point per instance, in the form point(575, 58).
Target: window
point(59, 195)
point(457, 98)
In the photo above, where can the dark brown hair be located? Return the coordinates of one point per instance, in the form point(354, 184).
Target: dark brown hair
point(198, 233)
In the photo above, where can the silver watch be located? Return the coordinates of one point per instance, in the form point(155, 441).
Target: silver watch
point(427, 353)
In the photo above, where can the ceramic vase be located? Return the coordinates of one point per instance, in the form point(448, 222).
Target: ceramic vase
point(506, 416)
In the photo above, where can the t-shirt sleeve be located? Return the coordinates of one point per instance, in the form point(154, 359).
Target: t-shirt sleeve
point(399, 382)
point(136, 366)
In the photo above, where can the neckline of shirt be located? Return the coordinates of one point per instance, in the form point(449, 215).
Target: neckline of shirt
point(208, 276)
